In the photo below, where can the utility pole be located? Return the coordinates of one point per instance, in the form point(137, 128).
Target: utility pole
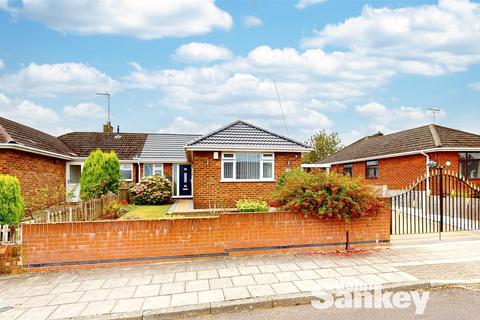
point(434, 112)
point(106, 94)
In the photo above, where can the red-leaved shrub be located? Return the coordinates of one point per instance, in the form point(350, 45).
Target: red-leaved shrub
point(327, 196)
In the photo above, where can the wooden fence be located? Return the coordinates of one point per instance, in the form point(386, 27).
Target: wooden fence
point(82, 211)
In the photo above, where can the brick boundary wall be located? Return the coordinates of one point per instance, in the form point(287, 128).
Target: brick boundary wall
point(110, 243)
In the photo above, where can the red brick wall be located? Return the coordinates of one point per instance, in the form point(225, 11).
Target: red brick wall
point(209, 192)
point(69, 244)
point(34, 171)
point(400, 172)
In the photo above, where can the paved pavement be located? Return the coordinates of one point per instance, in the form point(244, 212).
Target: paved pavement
point(444, 304)
point(68, 294)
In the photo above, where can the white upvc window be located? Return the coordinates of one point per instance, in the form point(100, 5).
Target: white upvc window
point(149, 169)
point(126, 170)
point(248, 166)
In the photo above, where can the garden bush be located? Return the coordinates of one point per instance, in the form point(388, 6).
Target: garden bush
point(247, 205)
point(152, 190)
point(11, 202)
point(331, 196)
point(100, 174)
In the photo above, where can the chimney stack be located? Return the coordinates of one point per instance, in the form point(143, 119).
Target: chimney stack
point(107, 128)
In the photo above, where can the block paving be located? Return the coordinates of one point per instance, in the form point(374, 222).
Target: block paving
point(101, 291)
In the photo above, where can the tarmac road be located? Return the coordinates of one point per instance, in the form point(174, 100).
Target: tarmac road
point(459, 303)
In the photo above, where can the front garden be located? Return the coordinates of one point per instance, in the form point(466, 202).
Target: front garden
point(315, 193)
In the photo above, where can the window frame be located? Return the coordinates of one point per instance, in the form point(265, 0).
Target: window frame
point(154, 169)
point(122, 168)
point(464, 158)
point(230, 157)
point(367, 166)
point(350, 167)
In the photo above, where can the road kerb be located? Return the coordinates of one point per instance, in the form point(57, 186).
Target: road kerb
point(285, 300)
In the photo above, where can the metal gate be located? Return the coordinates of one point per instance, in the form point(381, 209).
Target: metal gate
point(442, 202)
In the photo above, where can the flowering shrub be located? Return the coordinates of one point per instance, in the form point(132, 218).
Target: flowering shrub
point(331, 196)
point(152, 190)
point(247, 205)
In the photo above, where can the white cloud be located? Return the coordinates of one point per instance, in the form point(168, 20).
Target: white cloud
point(381, 118)
point(143, 19)
point(252, 21)
point(474, 86)
point(50, 80)
point(199, 52)
point(427, 40)
point(85, 110)
point(27, 112)
point(3, 4)
point(302, 4)
point(2, 64)
point(183, 125)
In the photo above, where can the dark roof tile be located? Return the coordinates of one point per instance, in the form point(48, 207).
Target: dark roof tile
point(16, 133)
point(417, 139)
point(243, 135)
point(127, 146)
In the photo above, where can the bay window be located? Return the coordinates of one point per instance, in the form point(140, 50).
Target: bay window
point(470, 165)
point(126, 170)
point(247, 166)
point(150, 169)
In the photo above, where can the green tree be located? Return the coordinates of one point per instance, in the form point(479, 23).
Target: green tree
point(11, 202)
point(323, 144)
point(100, 174)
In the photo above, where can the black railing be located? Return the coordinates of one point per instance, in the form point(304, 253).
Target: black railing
point(442, 202)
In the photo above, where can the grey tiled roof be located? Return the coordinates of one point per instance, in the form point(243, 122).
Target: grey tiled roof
point(167, 147)
point(243, 135)
point(18, 134)
point(417, 139)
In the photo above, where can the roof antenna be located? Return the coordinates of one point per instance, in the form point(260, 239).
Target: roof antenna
point(106, 94)
point(281, 108)
point(434, 112)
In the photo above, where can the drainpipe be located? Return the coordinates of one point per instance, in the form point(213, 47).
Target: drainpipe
point(138, 172)
point(428, 170)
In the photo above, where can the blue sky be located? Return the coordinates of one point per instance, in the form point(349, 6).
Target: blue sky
point(354, 67)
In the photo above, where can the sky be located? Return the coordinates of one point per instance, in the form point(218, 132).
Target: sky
point(189, 66)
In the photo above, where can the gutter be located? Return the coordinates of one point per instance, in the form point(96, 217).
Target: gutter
point(227, 149)
point(315, 165)
point(20, 147)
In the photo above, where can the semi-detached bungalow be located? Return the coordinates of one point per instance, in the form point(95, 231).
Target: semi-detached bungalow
point(239, 160)
point(397, 160)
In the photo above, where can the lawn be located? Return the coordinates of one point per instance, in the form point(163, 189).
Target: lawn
point(146, 212)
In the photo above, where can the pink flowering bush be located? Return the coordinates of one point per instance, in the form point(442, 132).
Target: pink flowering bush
point(331, 196)
point(152, 190)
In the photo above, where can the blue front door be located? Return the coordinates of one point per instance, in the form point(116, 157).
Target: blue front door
point(185, 180)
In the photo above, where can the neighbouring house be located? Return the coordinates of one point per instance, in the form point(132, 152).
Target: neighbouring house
point(37, 159)
point(236, 161)
point(396, 160)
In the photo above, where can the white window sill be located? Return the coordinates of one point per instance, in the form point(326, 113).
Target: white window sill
point(247, 180)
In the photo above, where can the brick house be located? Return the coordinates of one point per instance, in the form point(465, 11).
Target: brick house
point(37, 159)
point(396, 160)
point(216, 169)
